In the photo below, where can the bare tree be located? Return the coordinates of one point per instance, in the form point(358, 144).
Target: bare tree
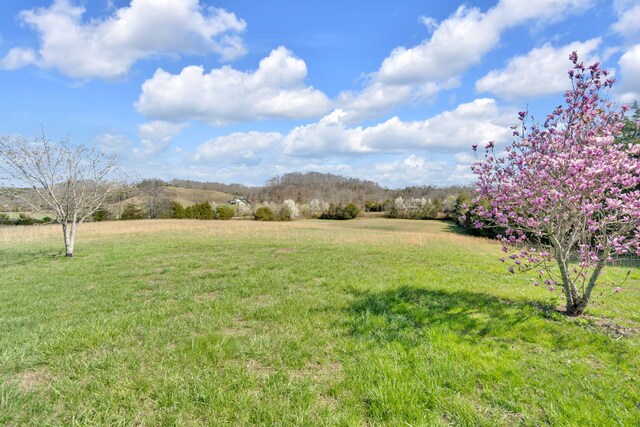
point(155, 198)
point(72, 180)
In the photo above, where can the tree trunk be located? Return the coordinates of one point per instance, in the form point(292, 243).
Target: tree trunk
point(577, 308)
point(573, 299)
point(69, 232)
point(580, 304)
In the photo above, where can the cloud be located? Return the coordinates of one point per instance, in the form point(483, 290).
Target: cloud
point(541, 71)
point(225, 95)
point(18, 58)
point(629, 64)
point(416, 170)
point(454, 45)
point(107, 48)
point(156, 137)
point(238, 148)
point(628, 18)
point(374, 100)
point(471, 123)
point(113, 144)
point(329, 135)
point(465, 37)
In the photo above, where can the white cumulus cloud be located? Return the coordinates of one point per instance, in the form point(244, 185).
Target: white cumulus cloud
point(18, 58)
point(454, 45)
point(113, 144)
point(541, 71)
point(157, 136)
point(629, 63)
point(373, 100)
point(239, 148)
point(108, 47)
point(471, 123)
point(628, 18)
point(465, 37)
point(275, 90)
point(329, 135)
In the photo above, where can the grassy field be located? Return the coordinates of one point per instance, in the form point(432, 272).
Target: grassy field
point(365, 322)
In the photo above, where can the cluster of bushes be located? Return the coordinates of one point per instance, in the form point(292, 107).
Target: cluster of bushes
point(132, 211)
point(225, 212)
point(349, 211)
point(202, 210)
point(419, 208)
point(23, 219)
point(100, 215)
point(263, 213)
point(434, 210)
point(371, 206)
point(285, 213)
point(462, 213)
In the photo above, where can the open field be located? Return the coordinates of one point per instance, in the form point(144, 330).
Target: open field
point(364, 322)
point(191, 196)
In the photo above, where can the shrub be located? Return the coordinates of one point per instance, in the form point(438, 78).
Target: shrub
point(372, 206)
point(132, 211)
point(351, 210)
point(25, 219)
point(285, 214)
point(225, 212)
point(47, 219)
point(177, 210)
point(199, 211)
point(263, 214)
point(100, 215)
point(341, 212)
point(4, 219)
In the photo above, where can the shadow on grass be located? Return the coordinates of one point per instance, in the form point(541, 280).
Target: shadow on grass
point(453, 227)
point(627, 260)
point(12, 259)
point(409, 315)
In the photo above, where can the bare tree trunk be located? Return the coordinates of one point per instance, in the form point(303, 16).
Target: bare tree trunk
point(571, 294)
point(69, 231)
point(579, 309)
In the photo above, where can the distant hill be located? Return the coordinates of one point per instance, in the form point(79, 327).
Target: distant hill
point(191, 196)
point(166, 194)
point(300, 187)
point(304, 187)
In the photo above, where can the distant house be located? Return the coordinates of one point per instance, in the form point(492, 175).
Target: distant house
point(238, 201)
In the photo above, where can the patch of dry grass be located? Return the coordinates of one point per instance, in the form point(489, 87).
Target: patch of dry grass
point(359, 231)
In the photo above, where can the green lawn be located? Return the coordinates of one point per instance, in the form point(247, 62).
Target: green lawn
point(365, 322)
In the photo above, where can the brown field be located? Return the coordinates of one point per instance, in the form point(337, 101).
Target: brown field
point(364, 230)
point(189, 197)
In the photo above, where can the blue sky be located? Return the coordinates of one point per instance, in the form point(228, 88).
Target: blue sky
point(240, 91)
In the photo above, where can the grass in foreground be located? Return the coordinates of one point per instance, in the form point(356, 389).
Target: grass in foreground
point(367, 322)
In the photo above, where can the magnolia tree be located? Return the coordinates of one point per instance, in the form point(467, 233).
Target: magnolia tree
point(566, 196)
point(71, 180)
